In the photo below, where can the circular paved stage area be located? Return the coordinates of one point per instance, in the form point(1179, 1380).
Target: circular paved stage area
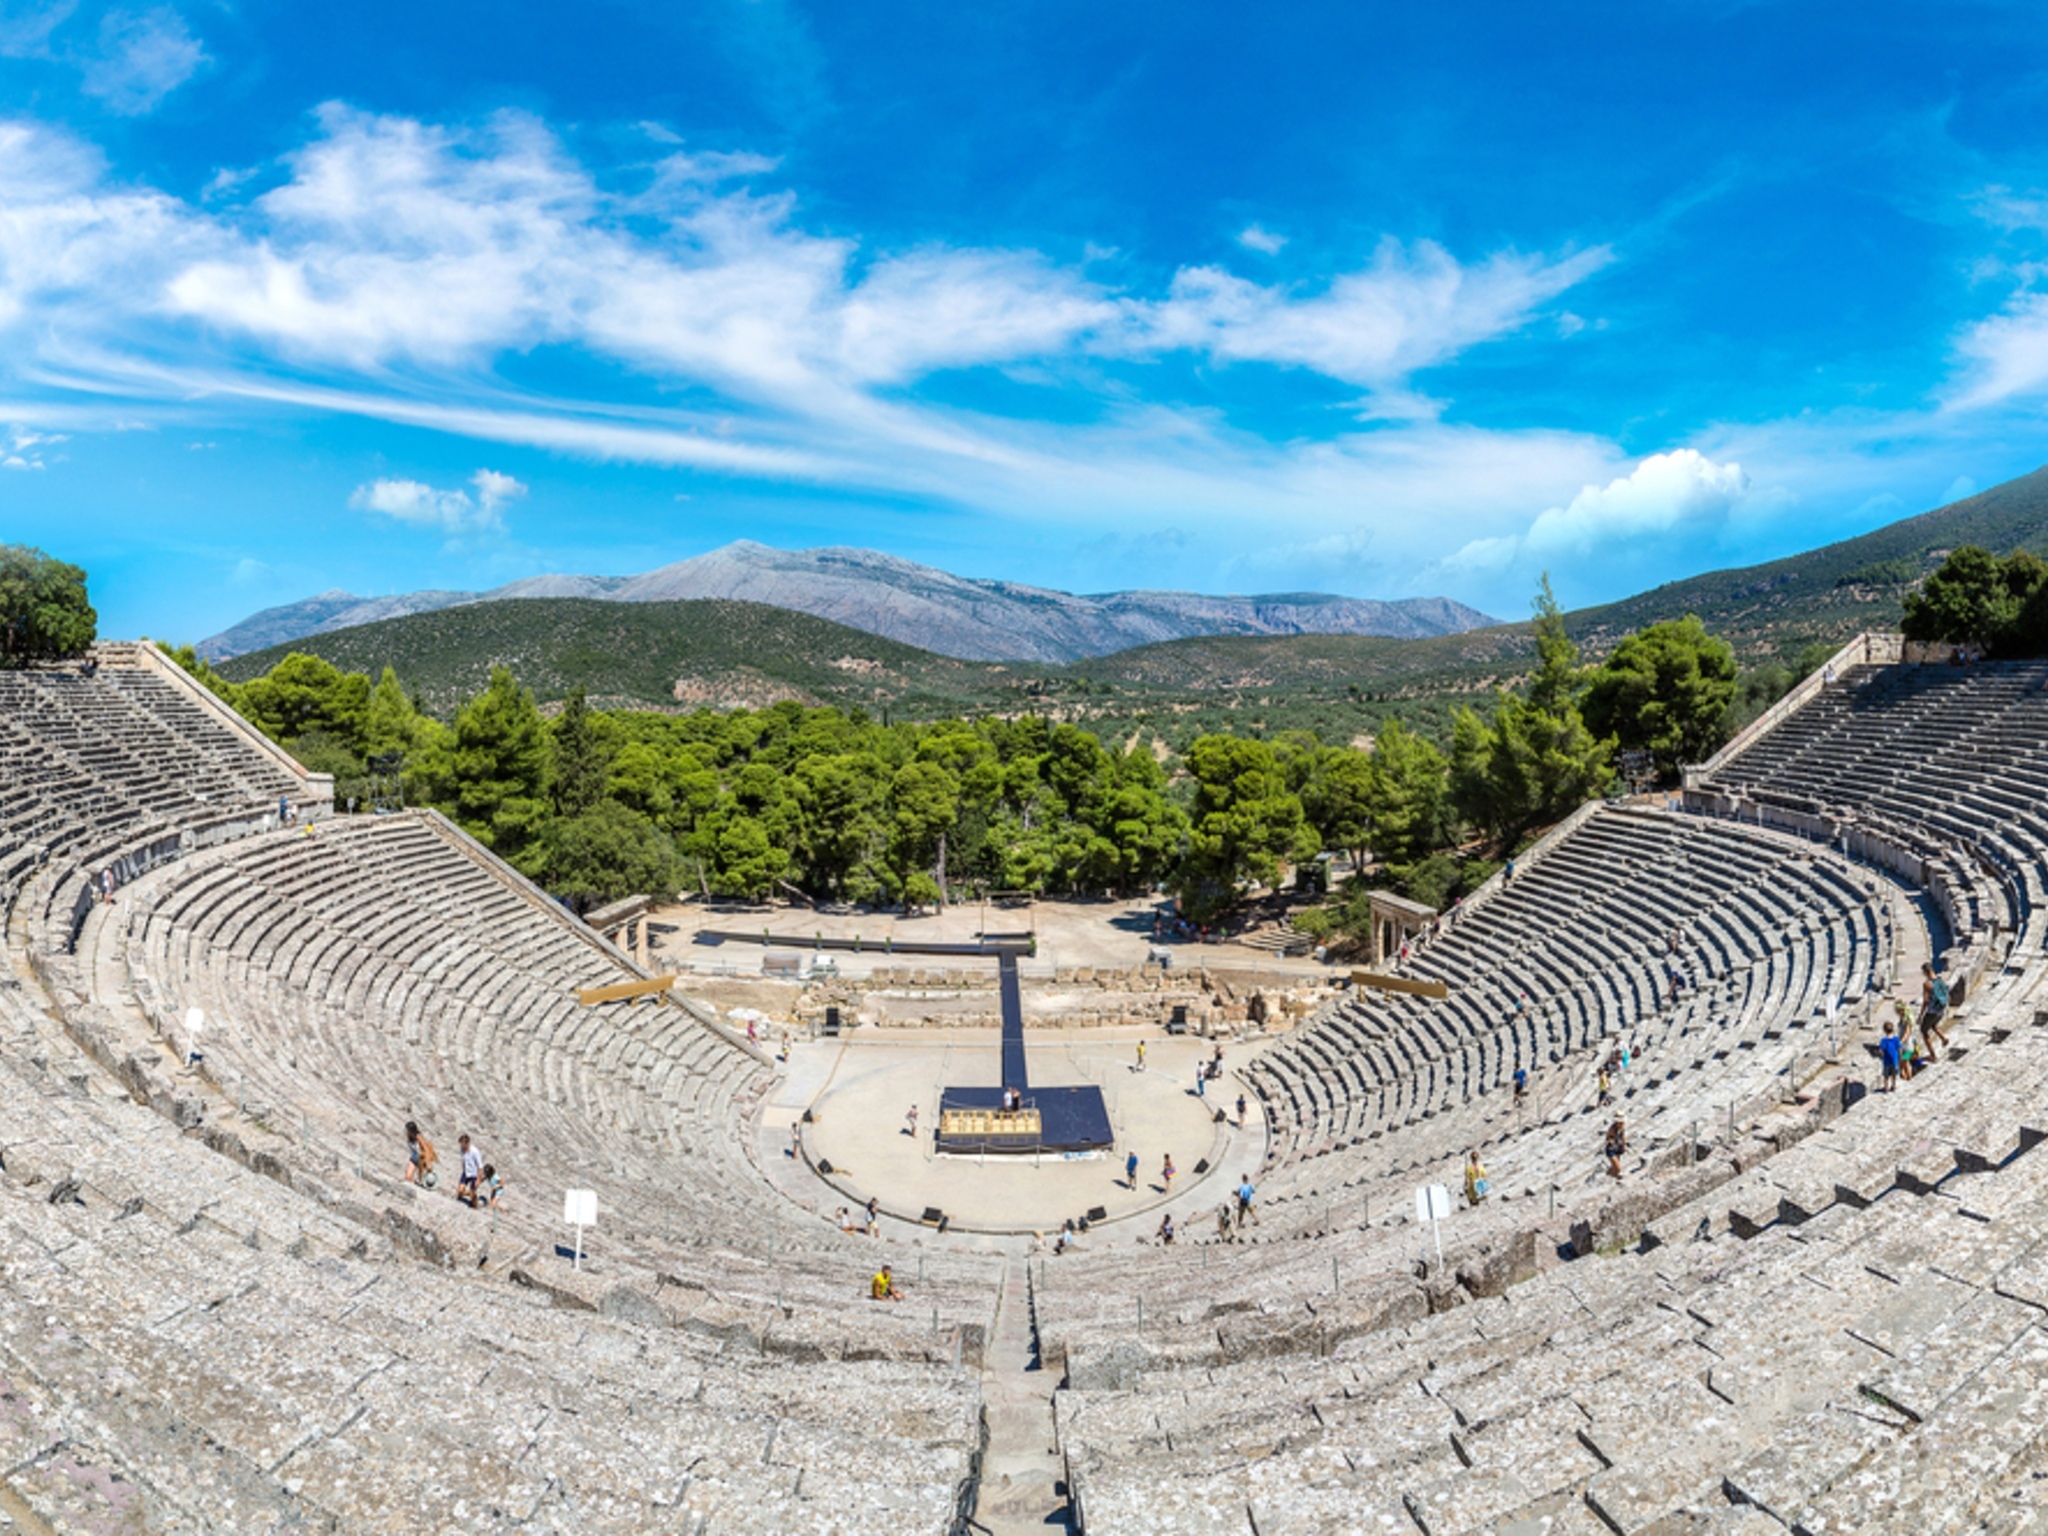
point(859, 1091)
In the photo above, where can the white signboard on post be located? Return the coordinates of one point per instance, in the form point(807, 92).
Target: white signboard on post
point(579, 1209)
point(1433, 1204)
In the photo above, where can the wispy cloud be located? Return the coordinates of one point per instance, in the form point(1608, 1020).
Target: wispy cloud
point(142, 57)
point(1257, 237)
point(451, 511)
point(23, 447)
point(399, 260)
point(398, 265)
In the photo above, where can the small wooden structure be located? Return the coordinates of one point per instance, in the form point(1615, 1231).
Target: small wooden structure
point(619, 991)
point(1414, 986)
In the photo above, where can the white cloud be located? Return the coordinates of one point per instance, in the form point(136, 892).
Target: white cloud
point(143, 56)
point(1667, 503)
point(397, 263)
point(22, 447)
point(1681, 491)
point(1256, 237)
point(493, 490)
point(396, 241)
point(453, 511)
point(1414, 307)
point(25, 29)
point(2004, 355)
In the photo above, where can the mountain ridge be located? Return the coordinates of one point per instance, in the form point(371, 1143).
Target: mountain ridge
point(967, 618)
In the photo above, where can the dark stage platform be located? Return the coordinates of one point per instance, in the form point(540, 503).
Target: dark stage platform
point(1069, 1120)
point(1051, 1120)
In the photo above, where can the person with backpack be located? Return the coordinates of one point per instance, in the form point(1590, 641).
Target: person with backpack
point(1933, 1008)
point(1477, 1186)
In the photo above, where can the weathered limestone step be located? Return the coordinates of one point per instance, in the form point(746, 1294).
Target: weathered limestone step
point(1022, 1487)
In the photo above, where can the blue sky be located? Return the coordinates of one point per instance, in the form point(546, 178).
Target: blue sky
point(1384, 300)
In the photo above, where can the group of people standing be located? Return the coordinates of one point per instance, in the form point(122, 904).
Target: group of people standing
point(1897, 1054)
point(478, 1187)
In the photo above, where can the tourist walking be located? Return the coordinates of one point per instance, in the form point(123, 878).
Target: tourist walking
point(1131, 1171)
point(1521, 1084)
point(491, 1190)
point(1606, 1090)
point(1240, 1111)
point(1166, 1173)
point(1201, 1083)
point(1141, 1056)
point(472, 1171)
point(1477, 1188)
point(910, 1123)
point(1245, 1196)
point(1933, 1006)
point(1617, 1147)
point(420, 1157)
point(1889, 1049)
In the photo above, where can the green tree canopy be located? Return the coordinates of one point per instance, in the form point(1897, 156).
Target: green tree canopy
point(495, 778)
point(582, 761)
point(1665, 690)
point(1536, 760)
point(305, 696)
point(1336, 795)
point(607, 852)
point(44, 613)
point(1405, 786)
point(1246, 822)
point(1979, 599)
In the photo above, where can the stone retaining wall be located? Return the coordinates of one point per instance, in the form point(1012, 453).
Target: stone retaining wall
point(1135, 997)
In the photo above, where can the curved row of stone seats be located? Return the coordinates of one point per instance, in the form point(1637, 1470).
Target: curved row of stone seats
point(142, 736)
point(120, 762)
point(1701, 1071)
point(383, 969)
point(1954, 754)
point(1572, 958)
point(186, 1345)
point(1871, 1356)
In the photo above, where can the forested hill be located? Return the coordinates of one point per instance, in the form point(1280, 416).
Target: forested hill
point(707, 652)
point(725, 653)
point(1837, 589)
point(1771, 611)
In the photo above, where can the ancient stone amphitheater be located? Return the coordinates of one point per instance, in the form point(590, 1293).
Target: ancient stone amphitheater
point(1805, 1305)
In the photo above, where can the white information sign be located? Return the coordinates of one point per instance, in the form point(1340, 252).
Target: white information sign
point(1433, 1204)
point(579, 1209)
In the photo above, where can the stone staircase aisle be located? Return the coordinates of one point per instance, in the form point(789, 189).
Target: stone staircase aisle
point(1022, 1482)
